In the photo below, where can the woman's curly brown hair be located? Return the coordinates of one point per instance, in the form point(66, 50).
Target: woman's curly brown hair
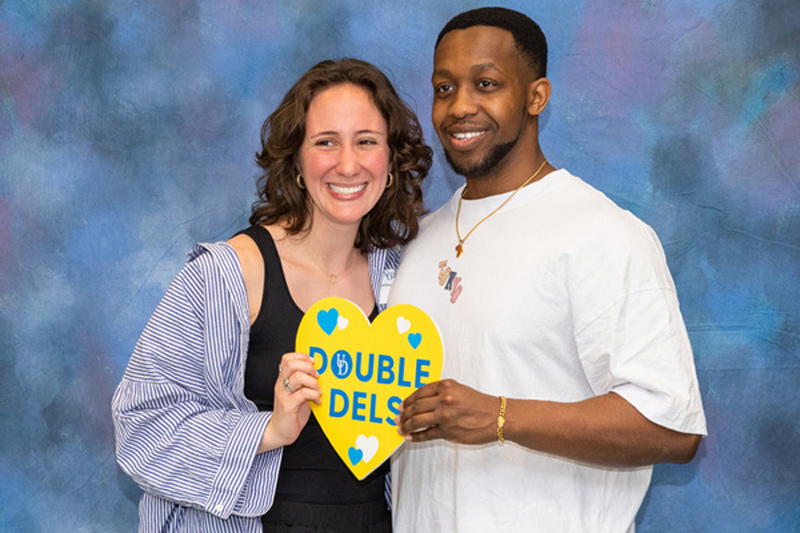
point(394, 219)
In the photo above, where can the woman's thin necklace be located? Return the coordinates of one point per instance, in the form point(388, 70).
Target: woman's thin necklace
point(332, 278)
point(460, 245)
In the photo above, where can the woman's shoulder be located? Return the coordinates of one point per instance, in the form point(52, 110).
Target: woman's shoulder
point(251, 259)
point(206, 256)
point(246, 251)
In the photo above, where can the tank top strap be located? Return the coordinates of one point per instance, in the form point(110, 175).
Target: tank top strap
point(263, 240)
point(276, 293)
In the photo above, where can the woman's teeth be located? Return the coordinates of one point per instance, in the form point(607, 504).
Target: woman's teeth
point(338, 189)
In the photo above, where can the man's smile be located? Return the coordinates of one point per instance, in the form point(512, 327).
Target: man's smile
point(467, 136)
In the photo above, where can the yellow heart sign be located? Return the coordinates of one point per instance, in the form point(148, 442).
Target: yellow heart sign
point(366, 371)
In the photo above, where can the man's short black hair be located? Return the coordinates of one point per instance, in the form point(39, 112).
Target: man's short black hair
point(528, 36)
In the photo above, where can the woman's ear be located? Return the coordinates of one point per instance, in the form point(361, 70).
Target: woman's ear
point(538, 95)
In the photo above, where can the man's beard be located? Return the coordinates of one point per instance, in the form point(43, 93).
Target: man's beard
point(482, 168)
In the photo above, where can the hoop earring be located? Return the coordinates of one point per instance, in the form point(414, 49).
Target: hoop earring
point(300, 182)
point(391, 180)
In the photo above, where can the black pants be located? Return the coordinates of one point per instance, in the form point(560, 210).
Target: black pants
point(373, 517)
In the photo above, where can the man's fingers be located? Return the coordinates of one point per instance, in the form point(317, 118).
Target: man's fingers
point(426, 391)
point(420, 407)
point(417, 423)
point(434, 432)
point(415, 408)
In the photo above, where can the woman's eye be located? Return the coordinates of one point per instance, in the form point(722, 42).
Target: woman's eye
point(324, 142)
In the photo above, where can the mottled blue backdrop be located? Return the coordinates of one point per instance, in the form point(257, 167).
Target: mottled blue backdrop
point(127, 132)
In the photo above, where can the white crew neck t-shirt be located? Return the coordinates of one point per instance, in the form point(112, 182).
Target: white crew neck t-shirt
point(562, 296)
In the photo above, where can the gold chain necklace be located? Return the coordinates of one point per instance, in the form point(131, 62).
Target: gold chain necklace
point(332, 278)
point(460, 245)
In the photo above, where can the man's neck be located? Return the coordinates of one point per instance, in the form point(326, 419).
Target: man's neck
point(505, 179)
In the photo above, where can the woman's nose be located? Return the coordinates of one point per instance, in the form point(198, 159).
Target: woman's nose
point(348, 161)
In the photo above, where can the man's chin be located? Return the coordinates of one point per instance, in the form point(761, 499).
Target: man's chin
point(484, 167)
point(467, 169)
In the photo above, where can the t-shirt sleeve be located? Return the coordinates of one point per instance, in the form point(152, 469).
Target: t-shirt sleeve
point(630, 334)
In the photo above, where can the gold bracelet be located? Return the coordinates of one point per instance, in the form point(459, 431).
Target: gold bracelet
point(501, 419)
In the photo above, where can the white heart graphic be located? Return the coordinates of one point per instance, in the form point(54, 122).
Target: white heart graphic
point(403, 325)
point(342, 322)
point(368, 446)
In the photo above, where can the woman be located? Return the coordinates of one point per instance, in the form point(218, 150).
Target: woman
point(212, 416)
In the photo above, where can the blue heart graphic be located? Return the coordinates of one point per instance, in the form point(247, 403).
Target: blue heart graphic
point(414, 339)
point(327, 320)
point(355, 455)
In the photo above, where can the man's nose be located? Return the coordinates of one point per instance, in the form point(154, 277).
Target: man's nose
point(463, 105)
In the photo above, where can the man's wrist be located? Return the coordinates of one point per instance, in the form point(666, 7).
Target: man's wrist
point(501, 420)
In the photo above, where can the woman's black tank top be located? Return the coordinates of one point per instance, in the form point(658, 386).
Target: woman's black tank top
point(310, 472)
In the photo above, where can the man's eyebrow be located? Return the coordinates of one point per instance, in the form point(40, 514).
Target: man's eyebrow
point(480, 67)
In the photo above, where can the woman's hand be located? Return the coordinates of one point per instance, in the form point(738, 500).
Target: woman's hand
point(296, 386)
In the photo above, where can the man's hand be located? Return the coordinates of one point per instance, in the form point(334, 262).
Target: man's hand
point(449, 410)
point(603, 430)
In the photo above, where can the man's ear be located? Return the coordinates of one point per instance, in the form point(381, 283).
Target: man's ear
point(538, 95)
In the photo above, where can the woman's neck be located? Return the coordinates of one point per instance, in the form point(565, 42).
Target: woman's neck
point(331, 247)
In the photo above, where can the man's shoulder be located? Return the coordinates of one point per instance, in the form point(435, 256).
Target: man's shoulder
point(588, 222)
point(596, 209)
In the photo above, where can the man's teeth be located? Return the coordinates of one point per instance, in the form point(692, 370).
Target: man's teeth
point(347, 190)
point(467, 136)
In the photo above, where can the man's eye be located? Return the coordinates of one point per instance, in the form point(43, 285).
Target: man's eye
point(486, 84)
point(444, 88)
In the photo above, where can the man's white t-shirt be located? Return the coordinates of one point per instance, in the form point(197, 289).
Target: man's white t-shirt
point(562, 296)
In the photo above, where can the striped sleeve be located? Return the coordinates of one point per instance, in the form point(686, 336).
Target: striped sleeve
point(383, 264)
point(182, 432)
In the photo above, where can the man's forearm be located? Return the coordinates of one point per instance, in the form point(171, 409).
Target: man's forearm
point(605, 430)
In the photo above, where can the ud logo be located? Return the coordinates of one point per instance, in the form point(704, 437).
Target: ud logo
point(341, 364)
point(449, 280)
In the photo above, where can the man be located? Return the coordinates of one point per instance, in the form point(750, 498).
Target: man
point(568, 368)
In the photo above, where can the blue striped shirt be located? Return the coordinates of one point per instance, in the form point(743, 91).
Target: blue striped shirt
point(184, 430)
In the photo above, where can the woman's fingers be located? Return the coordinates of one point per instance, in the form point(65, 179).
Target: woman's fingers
point(296, 386)
point(294, 361)
point(297, 371)
point(309, 394)
point(297, 379)
point(300, 382)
